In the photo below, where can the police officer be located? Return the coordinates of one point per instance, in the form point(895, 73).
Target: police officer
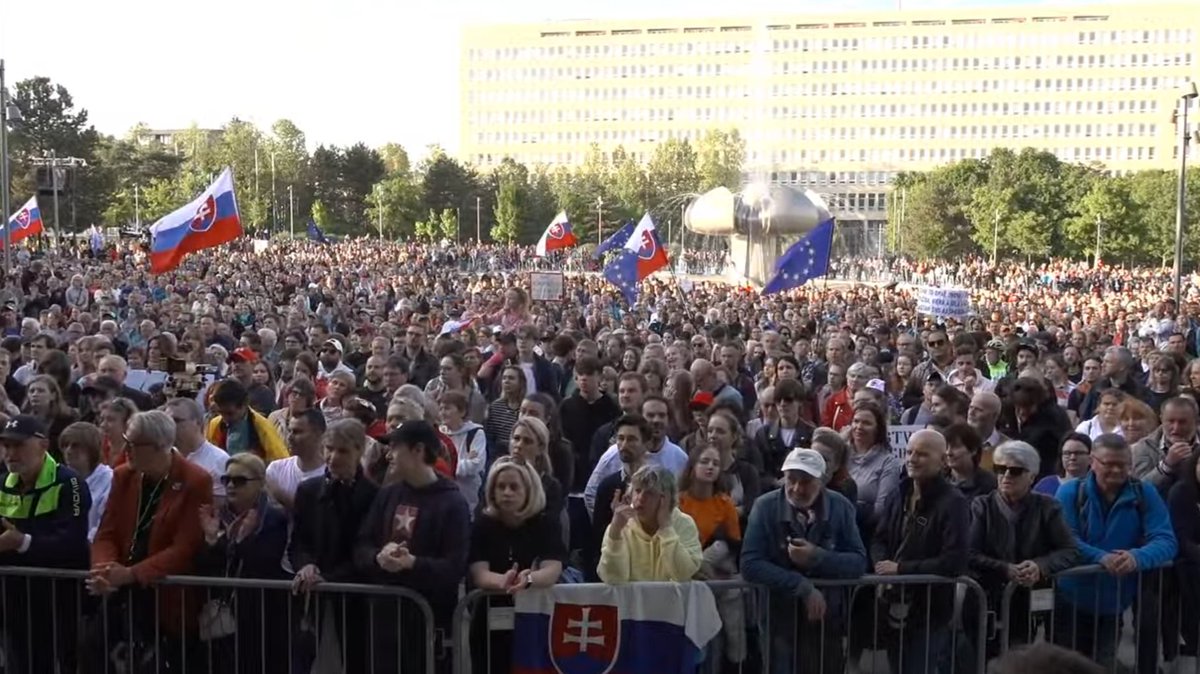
point(43, 523)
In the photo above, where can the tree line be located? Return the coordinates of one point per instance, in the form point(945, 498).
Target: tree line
point(1030, 205)
point(354, 190)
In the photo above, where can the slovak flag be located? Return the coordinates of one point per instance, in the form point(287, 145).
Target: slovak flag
point(25, 222)
point(209, 221)
point(644, 242)
point(557, 236)
point(633, 628)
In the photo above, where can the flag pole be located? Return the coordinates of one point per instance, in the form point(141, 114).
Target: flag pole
point(4, 170)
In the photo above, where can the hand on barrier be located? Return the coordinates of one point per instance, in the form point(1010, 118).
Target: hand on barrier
point(12, 538)
point(306, 579)
point(1028, 573)
point(107, 578)
point(814, 606)
point(1119, 563)
point(887, 568)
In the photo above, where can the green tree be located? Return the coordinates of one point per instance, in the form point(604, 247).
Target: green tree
point(507, 211)
point(400, 199)
point(427, 227)
point(448, 224)
point(720, 156)
point(934, 221)
point(362, 168)
point(630, 188)
point(446, 183)
point(395, 159)
point(1106, 218)
point(320, 215)
point(673, 177)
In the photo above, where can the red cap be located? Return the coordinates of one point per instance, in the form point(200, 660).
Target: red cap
point(243, 354)
point(702, 400)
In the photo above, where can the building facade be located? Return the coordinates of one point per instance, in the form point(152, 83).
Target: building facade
point(838, 103)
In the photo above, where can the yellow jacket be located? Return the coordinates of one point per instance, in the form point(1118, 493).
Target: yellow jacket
point(264, 437)
point(671, 554)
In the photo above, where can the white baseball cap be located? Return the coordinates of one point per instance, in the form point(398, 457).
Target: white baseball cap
point(805, 460)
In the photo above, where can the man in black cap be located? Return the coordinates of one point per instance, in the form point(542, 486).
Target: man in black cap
point(44, 509)
point(415, 536)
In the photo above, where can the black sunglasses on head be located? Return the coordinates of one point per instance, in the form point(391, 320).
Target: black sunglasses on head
point(236, 480)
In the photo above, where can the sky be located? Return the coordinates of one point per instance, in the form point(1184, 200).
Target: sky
point(344, 71)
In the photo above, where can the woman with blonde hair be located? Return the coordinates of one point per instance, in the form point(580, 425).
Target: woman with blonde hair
point(529, 444)
point(516, 545)
point(338, 386)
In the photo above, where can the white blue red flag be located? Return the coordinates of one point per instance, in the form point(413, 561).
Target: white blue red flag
point(557, 236)
point(209, 221)
point(636, 628)
point(24, 223)
point(644, 242)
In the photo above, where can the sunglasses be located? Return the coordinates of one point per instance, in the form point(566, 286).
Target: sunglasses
point(933, 344)
point(1014, 471)
point(238, 481)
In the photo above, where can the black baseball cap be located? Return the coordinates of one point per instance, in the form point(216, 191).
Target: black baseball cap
point(411, 433)
point(22, 427)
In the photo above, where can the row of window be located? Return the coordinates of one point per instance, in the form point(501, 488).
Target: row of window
point(841, 114)
point(1157, 87)
point(875, 134)
point(754, 42)
point(830, 67)
point(871, 156)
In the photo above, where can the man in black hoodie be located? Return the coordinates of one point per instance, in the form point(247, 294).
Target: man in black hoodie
point(415, 536)
point(923, 530)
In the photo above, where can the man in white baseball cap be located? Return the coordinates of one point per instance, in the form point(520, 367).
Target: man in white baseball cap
point(796, 533)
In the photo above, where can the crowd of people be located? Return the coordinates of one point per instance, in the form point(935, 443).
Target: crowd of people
point(384, 414)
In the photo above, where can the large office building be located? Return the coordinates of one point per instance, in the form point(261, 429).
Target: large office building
point(839, 103)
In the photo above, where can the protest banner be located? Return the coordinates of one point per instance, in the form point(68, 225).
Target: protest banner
point(546, 285)
point(898, 438)
point(944, 302)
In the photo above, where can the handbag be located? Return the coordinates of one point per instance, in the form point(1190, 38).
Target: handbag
point(217, 619)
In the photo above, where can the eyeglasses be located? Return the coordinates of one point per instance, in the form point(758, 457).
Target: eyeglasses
point(934, 343)
point(1014, 471)
point(238, 481)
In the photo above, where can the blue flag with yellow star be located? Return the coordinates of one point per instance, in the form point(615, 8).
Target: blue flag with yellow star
point(807, 259)
point(622, 272)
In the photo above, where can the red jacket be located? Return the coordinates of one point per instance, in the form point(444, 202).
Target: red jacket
point(838, 413)
point(175, 534)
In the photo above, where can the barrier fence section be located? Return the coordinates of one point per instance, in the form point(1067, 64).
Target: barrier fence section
point(212, 624)
point(1141, 620)
point(765, 633)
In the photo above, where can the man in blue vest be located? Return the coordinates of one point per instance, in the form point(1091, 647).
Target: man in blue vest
point(43, 523)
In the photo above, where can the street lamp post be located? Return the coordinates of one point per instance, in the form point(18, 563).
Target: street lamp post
point(4, 170)
point(599, 220)
point(1180, 213)
point(291, 213)
point(1096, 261)
point(478, 227)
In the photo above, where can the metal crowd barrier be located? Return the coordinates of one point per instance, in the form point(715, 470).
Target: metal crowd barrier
point(838, 651)
point(1144, 633)
point(212, 624)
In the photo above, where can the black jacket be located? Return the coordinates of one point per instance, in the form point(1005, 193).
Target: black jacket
point(1044, 430)
point(325, 524)
point(580, 421)
point(995, 544)
point(931, 540)
point(770, 447)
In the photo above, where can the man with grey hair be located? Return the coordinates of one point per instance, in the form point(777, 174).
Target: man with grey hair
point(270, 345)
point(649, 527)
point(116, 368)
point(151, 527)
point(937, 545)
point(704, 374)
point(1116, 371)
point(1160, 457)
point(191, 443)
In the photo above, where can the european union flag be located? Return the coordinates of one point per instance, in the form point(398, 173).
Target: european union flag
point(617, 240)
point(807, 259)
point(315, 233)
point(622, 272)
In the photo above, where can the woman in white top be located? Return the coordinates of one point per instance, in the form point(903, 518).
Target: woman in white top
point(1108, 415)
point(80, 444)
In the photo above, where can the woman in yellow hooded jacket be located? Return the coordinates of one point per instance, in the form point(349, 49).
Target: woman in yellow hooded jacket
point(649, 538)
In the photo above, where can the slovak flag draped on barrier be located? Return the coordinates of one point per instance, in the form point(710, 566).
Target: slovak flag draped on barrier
point(557, 236)
point(209, 221)
point(24, 223)
point(636, 628)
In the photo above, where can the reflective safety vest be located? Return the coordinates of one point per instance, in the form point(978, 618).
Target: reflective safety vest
point(41, 500)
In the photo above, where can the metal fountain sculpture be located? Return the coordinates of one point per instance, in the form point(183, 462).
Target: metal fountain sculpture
point(761, 221)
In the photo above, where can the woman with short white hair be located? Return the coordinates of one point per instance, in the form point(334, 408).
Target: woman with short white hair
point(649, 538)
point(999, 554)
